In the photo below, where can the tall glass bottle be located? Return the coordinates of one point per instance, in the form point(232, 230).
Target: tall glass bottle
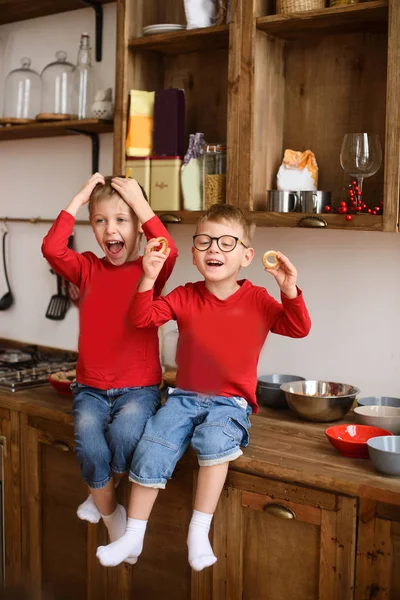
point(84, 78)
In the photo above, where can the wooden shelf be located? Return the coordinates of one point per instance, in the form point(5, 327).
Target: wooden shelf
point(19, 10)
point(358, 17)
point(54, 129)
point(270, 219)
point(183, 42)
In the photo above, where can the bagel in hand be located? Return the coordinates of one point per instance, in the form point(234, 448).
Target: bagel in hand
point(268, 264)
point(162, 245)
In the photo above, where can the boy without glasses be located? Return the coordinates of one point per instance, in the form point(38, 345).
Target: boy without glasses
point(118, 369)
point(223, 324)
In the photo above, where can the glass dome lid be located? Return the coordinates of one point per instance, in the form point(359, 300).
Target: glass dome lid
point(58, 89)
point(22, 94)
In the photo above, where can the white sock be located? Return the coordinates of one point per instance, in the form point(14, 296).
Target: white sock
point(201, 554)
point(88, 511)
point(116, 526)
point(129, 546)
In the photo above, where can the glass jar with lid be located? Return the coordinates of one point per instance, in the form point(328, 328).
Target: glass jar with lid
point(22, 94)
point(59, 99)
point(214, 174)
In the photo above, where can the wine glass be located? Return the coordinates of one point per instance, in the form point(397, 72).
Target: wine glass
point(360, 157)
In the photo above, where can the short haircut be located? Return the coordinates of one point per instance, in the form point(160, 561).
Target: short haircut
point(105, 192)
point(231, 214)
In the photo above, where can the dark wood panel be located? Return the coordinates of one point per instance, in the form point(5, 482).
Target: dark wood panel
point(19, 10)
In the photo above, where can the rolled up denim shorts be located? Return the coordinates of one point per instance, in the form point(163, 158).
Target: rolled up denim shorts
point(108, 425)
point(215, 426)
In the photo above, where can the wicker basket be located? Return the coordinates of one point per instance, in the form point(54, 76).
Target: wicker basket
point(291, 6)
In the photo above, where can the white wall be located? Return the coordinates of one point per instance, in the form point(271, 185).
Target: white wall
point(351, 280)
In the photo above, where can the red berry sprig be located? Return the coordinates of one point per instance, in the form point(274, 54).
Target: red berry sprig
point(354, 204)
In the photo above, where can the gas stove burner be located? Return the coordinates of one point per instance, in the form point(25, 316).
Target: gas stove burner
point(12, 379)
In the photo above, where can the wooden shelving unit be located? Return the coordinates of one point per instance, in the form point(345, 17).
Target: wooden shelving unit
point(268, 82)
point(19, 10)
point(183, 42)
point(55, 129)
point(372, 15)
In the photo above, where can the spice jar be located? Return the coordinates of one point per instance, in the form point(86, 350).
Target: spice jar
point(342, 2)
point(214, 174)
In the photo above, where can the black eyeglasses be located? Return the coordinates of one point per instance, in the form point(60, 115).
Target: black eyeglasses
point(226, 243)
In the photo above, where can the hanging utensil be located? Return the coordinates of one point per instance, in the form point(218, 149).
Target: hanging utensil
point(8, 299)
point(59, 303)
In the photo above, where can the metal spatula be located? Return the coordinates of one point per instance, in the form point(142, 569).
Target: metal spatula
point(58, 304)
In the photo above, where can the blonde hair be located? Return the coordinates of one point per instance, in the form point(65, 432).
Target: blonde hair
point(106, 192)
point(232, 214)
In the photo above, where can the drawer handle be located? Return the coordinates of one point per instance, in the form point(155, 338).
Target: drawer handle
point(62, 446)
point(278, 510)
point(168, 218)
point(312, 222)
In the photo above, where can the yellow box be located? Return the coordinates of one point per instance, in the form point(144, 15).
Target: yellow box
point(165, 186)
point(140, 171)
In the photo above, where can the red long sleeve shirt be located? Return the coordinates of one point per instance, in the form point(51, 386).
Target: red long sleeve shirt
point(220, 340)
point(113, 353)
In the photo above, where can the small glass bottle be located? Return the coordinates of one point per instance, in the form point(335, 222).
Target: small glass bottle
point(214, 174)
point(22, 93)
point(84, 79)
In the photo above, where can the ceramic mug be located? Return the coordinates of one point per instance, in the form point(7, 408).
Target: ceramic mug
point(282, 201)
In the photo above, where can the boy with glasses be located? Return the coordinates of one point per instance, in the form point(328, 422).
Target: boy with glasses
point(223, 324)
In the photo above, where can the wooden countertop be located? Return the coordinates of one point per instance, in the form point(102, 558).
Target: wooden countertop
point(281, 447)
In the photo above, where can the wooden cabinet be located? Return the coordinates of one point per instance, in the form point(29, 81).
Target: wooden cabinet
point(276, 541)
point(378, 552)
point(268, 82)
point(11, 496)
point(58, 549)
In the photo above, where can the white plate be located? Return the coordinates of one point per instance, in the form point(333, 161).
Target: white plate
point(162, 28)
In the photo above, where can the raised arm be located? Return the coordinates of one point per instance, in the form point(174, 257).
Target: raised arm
point(68, 263)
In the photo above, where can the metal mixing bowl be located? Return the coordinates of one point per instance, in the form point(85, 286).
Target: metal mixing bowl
point(269, 391)
point(320, 401)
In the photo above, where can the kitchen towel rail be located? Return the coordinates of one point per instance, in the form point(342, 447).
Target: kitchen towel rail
point(35, 220)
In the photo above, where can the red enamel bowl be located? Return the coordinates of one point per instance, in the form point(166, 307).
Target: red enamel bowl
point(351, 440)
point(62, 386)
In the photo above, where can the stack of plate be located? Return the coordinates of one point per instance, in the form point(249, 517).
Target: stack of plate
point(162, 28)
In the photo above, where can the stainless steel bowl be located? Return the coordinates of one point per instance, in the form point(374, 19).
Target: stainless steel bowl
point(319, 401)
point(378, 401)
point(269, 391)
point(384, 451)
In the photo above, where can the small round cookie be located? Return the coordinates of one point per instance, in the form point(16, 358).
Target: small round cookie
point(163, 245)
point(267, 263)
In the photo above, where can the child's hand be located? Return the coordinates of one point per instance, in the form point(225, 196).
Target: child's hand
point(130, 191)
point(153, 260)
point(83, 196)
point(285, 275)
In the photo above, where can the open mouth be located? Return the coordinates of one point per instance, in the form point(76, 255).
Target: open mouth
point(214, 263)
point(114, 247)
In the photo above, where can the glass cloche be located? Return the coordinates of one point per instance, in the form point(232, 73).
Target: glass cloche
point(58, 90)
point(22, 94)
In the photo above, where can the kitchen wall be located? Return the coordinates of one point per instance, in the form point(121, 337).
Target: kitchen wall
point(351, 280)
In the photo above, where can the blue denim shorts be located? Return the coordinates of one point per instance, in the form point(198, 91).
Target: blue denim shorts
point(215, 426)
point(108, 425)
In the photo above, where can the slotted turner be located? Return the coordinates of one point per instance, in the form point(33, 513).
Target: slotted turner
point(58, 304)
